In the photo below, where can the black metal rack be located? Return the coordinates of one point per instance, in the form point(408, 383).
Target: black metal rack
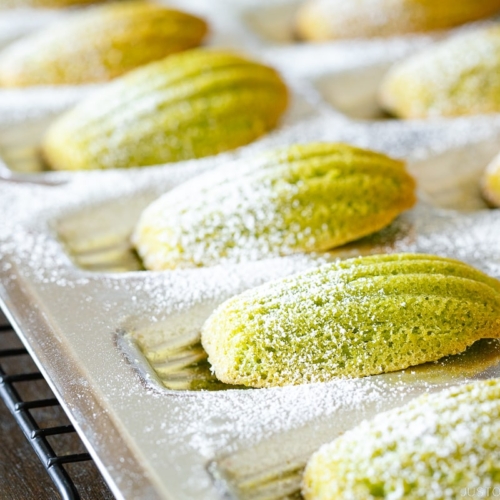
point(23, 410)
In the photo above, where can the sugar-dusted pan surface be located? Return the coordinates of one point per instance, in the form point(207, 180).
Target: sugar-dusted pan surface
point(120, 345)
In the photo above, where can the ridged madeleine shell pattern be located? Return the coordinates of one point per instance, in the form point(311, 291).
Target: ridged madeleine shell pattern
point(338, 19)
point(460, 76)
point(190, 105)
point(308, 197)
point(99, 44)
point(359, 317)
point(442, 446)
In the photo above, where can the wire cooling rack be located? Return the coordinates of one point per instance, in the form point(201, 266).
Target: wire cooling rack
point(33, 406)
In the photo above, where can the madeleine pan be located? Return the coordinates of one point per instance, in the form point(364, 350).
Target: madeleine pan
point(120, 346)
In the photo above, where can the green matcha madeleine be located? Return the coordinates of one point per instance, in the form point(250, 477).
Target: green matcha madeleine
point(303, 198)
point(490, 182)
point(320, 20)
point(190, 105)
point(442, 446)
point(99, 44)
point(460, 76)
point(354, 318)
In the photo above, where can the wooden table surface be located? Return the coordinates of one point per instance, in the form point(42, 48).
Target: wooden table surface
point(22, 476)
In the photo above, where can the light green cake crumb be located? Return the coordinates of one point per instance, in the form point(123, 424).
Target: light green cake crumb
point(354, 318)
point(442, 446)
point(303, 198)
point(460, 76)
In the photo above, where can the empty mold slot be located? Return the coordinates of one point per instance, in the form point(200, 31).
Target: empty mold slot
point(20, 147)
point(281, 482)
point(98, 238)
point(177, 363)
point(274, 23)
point(451, 179)
point(111, 253)
point(354, 92)
point(273, 468)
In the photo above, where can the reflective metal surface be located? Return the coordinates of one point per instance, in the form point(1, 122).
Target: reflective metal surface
point(120, 345)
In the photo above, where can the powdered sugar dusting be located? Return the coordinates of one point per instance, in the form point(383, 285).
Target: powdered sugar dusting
point(79, 313)
point(453, 432)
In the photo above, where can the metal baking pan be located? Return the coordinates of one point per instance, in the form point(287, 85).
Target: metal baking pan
point(119, 346)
